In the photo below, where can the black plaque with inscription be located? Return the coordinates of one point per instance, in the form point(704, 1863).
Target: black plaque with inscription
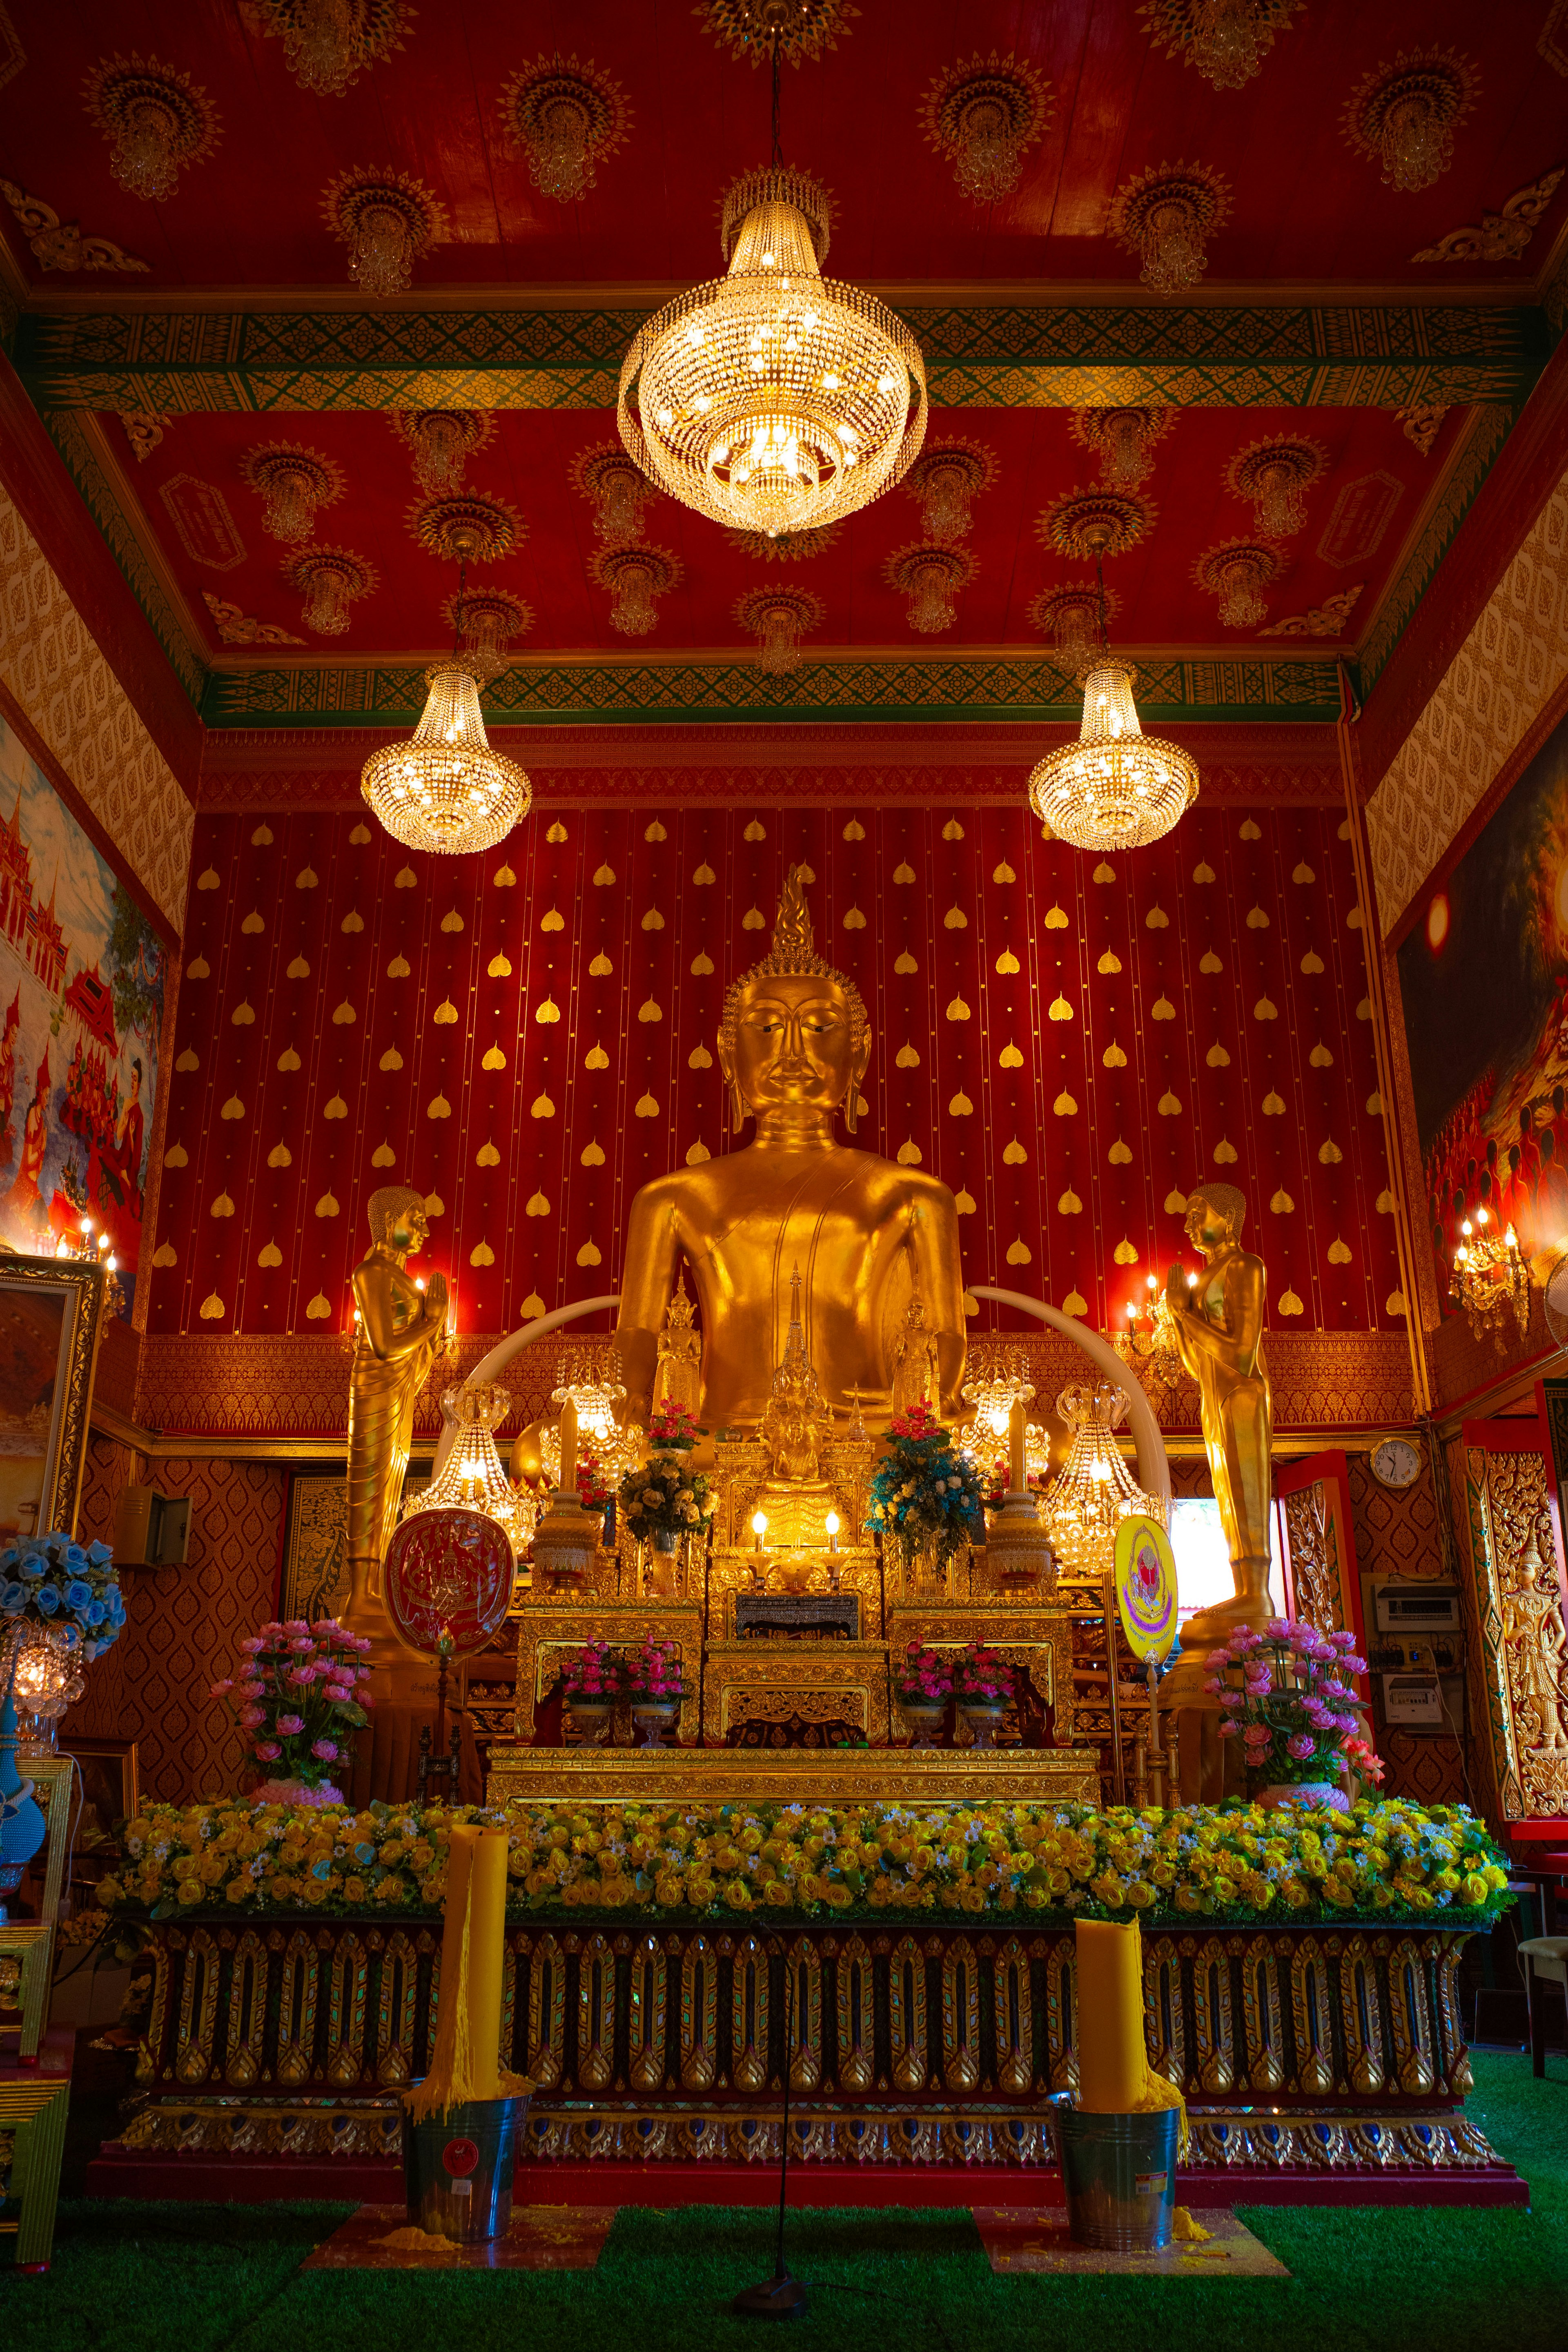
point(798, 1616)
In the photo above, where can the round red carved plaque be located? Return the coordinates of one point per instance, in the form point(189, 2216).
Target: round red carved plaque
point(459, 2156)
point(452, 1569)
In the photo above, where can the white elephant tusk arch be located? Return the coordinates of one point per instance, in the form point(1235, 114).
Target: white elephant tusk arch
point(1153, 1462)
point(501, 1354)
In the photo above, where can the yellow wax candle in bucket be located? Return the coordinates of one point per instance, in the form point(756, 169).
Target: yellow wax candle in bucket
point(1112, 2064)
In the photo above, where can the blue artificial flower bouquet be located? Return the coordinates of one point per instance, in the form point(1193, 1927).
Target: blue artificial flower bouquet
point(53, 1580)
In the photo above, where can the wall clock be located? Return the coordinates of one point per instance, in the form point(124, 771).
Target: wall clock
point(1396, 1463)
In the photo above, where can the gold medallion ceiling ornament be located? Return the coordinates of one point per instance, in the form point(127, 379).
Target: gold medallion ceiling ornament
point(1115, 788)
point(565, 119)
point(1237, 572)
point(931, 577)
point(292, 483)
point(442, 440)
point(789, 547)
point(388, 222)
point(328, 44)
point(946, 478)
point(155, 120)
point(1070, 617)
point(637, 578)
point(1276, 475)
point(1166, 218)
point(487, 620)
point(617, 490)
point(471, 529)
point(1123, 440)
point(329, 579)
point(778, 618)
point(985, 115)
point(776, 29)
point(1227, 40)
point(1093, 1491)
point(1403, 115)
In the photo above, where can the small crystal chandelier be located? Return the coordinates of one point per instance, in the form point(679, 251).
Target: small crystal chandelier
point(327, 44)
point(1093, 1491)
point(1123, 439)
point(329, 579)
point(1404, 115)
point(293, 483)
point(637, 578)
point(1115, 788)
point(1166, 218)
point(1490, 1277)
point(773, 399)
point(998, 1378)
point(446, 790)
point(41, 1667)
point(778, 618)
point(1227, 40)
point(985, 114)
point(388, 221)
point(155, 120)
point(1070, 618)
point(1276, 475)
point(931, 577)
point(565, 119)
point(591, 1383)
point(1149, 1342)
point(1237, 572)
point(442, 440)
point(617, 489)
point(946, 478)
point(472, 1477)
point(486, 621)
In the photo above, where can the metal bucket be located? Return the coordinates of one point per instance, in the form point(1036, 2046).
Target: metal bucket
point(1120, 2173)
point(456, 2169)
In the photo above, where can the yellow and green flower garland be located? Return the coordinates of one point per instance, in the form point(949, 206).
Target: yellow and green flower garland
point(1238, 1865)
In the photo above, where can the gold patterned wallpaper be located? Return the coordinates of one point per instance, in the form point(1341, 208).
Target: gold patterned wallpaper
point(1513, 662)
point(50, 662)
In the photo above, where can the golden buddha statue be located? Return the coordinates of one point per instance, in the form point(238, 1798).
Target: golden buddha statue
point(797, 1423)
point(915, 1374)
point(866, 1235)
point(401, 1329)
point(1218, 1323)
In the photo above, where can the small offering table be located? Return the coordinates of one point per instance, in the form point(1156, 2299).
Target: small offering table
point(842, 1776)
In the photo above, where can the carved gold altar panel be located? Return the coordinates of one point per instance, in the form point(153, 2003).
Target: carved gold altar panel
point(841, 1776)
point(548, 1632)
point(730, 1573)
point(819, 1682)
point(1316, 1535)
point(1519, 1664)
point(1040, 1641)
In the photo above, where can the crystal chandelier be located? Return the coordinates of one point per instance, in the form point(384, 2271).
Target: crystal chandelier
point(330, 578)
point(472, 1478)
point(327, 44)
point(1070, 618)
point(565, 119)
point(1115, 788)
point(446, 790)
point(617, 490)
point(592, 1384)
point(487, 619)
point(773, 399)
point(1275, 474)
point(1403, 115)
point(984, 114)
point(1123, 440)
point(41, 1666)
point(931, 577)
point(292, 483)
point(442, 440)
point(1237, 572)
point(637, 578)
point(998, 1378)
point(946, 478)
point(1093, 1491)
point(155, 120)
point(388, 221)
point(1490, 1277)
point(778, 618)
point(1166, 218)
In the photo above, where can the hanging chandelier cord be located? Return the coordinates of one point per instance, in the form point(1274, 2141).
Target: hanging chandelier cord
point(778, 150)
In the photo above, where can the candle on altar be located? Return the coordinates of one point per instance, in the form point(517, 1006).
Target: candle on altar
point(1113, 2067)
point(487, 1947)
point(759, 1527)
point(568, 1482)
point(831, 1524)
point(1017, 1475)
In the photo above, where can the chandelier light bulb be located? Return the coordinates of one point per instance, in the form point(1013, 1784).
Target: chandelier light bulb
point(446, 790)
point(772, 399)
point(1115, 788)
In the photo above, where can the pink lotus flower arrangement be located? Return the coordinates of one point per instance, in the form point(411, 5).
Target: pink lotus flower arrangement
point(1286, 1697)
point(653, 1675)
point(980, 1678)
point(925, 1678)
point(596, 1676)
point(298, 1699)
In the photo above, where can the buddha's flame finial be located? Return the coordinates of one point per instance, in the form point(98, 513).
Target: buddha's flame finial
point(792, 925)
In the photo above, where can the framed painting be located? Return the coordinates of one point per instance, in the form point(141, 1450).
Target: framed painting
point(111, 1791)
point(51, 1316)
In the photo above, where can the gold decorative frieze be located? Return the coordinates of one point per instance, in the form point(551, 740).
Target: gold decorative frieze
point(843, 1776)
point(826, 1683)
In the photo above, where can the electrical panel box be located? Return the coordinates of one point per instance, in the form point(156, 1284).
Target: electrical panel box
point(151, 1530)
point(1403, 1606)
point(1411, 1703)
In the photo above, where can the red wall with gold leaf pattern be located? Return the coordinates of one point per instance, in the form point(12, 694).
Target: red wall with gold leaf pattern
point(526, 1037)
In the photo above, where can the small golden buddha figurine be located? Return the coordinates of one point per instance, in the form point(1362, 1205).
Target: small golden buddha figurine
point(677, 1375)
point(401, 1329)
point(866, 1234)
point(1218, 1324)
point(797, 1424)
point(915, 1373)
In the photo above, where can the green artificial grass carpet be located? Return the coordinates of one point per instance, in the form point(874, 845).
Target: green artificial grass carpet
point(190, 2278)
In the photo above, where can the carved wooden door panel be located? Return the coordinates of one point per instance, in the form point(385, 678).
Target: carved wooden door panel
point(1519, 1660)
point(1316, 1537)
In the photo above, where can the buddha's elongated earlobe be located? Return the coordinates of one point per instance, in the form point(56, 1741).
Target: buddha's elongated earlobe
point(740, 1109)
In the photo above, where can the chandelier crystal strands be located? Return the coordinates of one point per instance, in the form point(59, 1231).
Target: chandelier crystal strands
point(1227, 40)
point(446, 790)
point(592, 1384)
point(327, 44)
point(998, 1378)
point(292, 483)
point(778, 618)
point(617, 490)
point(1115, 788)
point(1093, 1491)
point(773, 399)
point(1490, 1277)
point(156, 121)
point(472, 1477)
point(442, 441)
point(945, 479)
point(1404, 115)
point(931, 577)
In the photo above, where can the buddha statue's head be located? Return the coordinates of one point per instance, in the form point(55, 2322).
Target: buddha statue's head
point(794, 1031)
point(1216, 1214)
point(398, 1219)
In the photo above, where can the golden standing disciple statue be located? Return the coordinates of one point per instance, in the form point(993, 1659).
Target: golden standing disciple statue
point(1219, 1331)
point(866, 1234)
point(401, 1328)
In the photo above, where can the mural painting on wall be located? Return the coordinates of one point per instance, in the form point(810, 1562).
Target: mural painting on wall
point(81, 1010)
point(1484, 976)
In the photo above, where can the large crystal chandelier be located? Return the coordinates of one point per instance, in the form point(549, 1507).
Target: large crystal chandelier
point(1115, 788)
point(773, 399)
point(446, 790)
point(472, 1477)
point(1093, 1491)
point(592, 1384)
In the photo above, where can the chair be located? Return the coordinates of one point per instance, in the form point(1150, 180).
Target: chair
point(1545, 1960)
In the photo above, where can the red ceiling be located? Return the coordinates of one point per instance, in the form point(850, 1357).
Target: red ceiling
point(527, 463)
point(1306, 207)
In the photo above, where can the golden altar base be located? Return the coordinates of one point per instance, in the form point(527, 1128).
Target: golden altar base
point(819, 1682)
point(548, 1627)
point(785, 1776)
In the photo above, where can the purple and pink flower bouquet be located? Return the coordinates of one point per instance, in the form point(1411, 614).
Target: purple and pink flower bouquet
point(1286, 1696)
point(299, 1698)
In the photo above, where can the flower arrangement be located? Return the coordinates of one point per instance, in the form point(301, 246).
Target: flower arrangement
point(996, 1483)
point(594, 1486)
point(924, 1489)
point(70, 1587)
point(980, 1678)
point(925, 1678)
point(653, 1675)
point(594, 1676)
point(665, 1499)
point(1389, 1864)
point(1288, 1706)
point(297, 1696)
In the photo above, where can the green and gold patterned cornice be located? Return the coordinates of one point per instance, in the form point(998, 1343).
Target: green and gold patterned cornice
point(180, 361)
point(1024, 687)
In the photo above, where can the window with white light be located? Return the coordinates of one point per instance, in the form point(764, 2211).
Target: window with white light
point(1203, 1557)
